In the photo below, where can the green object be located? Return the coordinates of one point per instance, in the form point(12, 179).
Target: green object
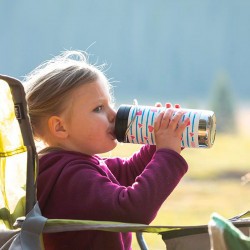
point(224, 235)
point(12, 162)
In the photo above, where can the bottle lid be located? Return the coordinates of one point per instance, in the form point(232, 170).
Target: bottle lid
point(121, 122)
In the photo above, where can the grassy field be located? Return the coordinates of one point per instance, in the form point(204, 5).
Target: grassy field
point(212, 184)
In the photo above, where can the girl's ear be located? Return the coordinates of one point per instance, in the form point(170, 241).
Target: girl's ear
point(57, 127)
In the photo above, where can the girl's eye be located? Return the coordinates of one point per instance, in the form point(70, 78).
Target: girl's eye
point(98, 109)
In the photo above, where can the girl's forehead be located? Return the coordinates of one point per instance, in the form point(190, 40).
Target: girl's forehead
point(96, 88)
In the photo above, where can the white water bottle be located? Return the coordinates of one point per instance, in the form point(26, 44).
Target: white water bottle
point(135, 124)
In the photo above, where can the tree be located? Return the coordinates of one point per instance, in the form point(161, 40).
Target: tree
point(223, 104)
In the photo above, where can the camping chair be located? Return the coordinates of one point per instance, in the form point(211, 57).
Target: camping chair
point(17, 149)
point(21, 222)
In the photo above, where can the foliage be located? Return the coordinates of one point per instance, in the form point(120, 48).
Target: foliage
point(223, 105)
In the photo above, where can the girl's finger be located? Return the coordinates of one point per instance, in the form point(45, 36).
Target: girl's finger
point(175, 119)
point(157, 123)
point(167, 117)
point(168, 105)
point(158, 104)
point(182, 126)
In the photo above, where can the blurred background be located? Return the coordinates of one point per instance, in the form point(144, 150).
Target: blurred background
point(155, 51)
point(195, 53)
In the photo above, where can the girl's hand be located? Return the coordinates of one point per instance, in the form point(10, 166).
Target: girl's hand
point(169, 128)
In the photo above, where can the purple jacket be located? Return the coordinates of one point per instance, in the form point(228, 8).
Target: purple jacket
point(72, 185)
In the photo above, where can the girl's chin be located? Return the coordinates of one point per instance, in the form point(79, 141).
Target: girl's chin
point(115, 142)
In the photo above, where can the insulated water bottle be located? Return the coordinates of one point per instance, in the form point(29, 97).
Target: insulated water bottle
point(135, 124)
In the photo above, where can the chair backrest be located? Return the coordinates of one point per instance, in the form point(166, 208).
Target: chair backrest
point(18, 157)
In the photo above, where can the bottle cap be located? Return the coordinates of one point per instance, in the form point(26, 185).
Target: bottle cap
point(121, 122)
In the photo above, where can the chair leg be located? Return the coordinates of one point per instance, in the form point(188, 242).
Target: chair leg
point(141, 241)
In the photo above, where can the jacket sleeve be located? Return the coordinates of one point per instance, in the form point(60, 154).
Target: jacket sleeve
point(126, 170)
point(141, 201)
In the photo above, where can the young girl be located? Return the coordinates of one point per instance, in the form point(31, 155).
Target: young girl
point(71, 111)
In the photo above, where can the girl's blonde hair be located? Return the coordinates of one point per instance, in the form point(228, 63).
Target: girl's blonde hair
point(49, 85)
